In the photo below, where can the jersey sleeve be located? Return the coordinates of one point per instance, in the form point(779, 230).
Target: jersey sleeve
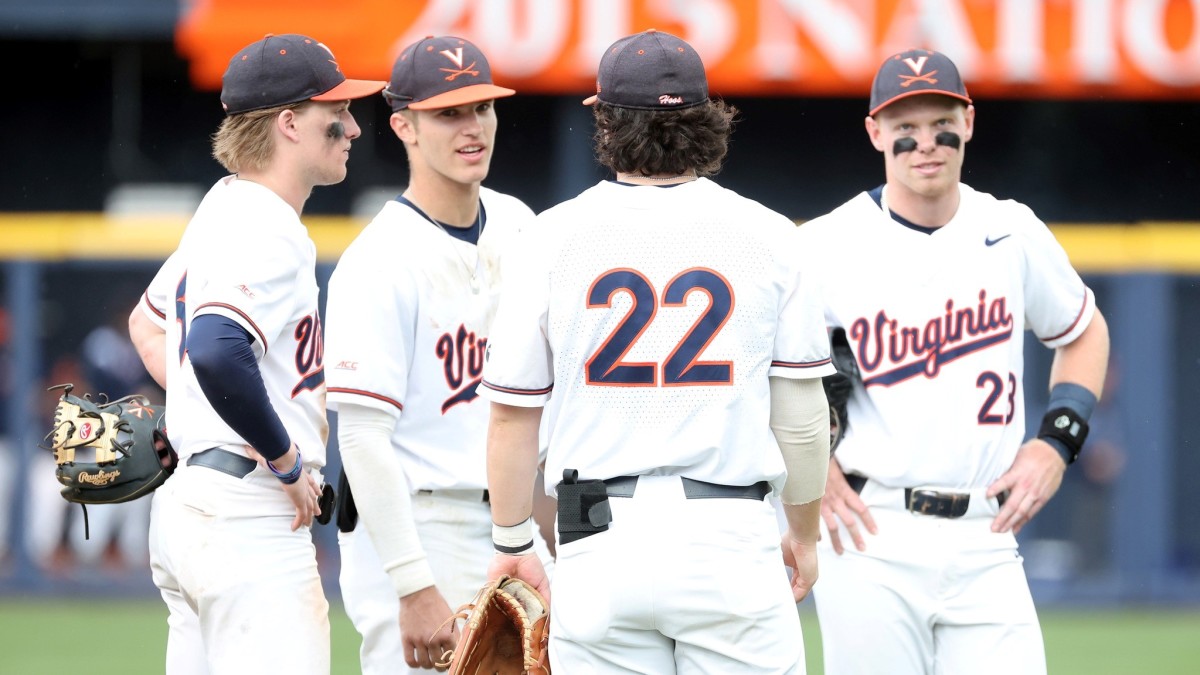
point(1058, 305)
point(802, 341)
point(253, 284)
point(160, 294)
point(519, 365)
point(369, 340)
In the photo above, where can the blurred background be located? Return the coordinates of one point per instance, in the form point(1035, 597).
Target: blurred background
point(1087, 111)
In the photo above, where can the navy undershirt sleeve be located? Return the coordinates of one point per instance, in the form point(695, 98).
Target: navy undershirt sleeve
point(225, 367)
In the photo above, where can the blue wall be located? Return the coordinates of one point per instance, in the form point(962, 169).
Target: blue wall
point(1124, 528)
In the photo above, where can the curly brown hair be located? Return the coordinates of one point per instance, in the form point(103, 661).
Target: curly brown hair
point(673, 142)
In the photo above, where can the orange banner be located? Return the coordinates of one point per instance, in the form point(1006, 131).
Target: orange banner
point(1021, 48)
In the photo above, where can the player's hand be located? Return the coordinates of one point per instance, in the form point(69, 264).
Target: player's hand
point(306, 497)
point(305, 493)
point(527, 568)
point(1033, 478)
point(802, 558)
point(426, 631)
point(842, 504)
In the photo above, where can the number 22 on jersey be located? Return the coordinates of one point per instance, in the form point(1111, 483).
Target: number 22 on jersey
point(681, 367)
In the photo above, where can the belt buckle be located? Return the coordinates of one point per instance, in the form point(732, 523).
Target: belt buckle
point(941, 504)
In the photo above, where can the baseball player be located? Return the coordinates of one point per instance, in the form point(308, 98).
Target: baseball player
point(932, 481)
point(230, 324)
point(668, 328)
point(410, 305)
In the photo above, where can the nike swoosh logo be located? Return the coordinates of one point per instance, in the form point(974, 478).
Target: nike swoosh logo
point(988, 241)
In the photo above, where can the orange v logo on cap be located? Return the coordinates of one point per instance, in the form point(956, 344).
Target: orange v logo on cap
point(916, 65)
point(457, 57)
point(331, 56)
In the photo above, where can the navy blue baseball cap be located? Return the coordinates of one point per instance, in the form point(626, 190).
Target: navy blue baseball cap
point(441, 72)
point(652, 70)
point(913, 72)
point(282, 69)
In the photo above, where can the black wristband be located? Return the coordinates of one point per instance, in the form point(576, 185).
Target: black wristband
point(288, 477)
point(1067, 427)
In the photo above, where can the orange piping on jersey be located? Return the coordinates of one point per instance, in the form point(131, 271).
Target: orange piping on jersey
point(360, 392)
point(805, 364)
point(239, 313)
point(146, 297)
point(521, 392)
point(1073, 323)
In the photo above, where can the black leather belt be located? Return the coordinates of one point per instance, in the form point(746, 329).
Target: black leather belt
point(624, 486)
point(940, 503)
point(224, 461)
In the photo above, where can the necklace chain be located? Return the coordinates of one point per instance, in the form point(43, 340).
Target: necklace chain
point(473, 270)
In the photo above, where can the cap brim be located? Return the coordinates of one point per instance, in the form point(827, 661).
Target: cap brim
point(591, 100)
point(350, 89)
point(910, 94)
point(470, 94)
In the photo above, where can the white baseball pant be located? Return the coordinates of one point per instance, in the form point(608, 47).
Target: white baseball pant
point(929, 595)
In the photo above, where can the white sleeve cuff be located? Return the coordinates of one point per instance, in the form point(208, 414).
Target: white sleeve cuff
point(382, 495)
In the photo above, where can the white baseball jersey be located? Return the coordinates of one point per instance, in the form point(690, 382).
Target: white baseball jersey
point(647, 320)
point(408, 329)
point(246, 256)
point(936, 317)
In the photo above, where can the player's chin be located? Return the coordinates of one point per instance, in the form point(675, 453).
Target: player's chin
point(473, 174)
point(934, 186)
point(333, 175)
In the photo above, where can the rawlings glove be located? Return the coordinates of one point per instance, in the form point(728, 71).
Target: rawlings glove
point(126, 440)
point(840, 386)
point(506, 632)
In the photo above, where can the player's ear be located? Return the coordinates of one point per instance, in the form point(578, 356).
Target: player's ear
point(285, 123)
point(404, 125)
point(968, 123)
point(873, 132)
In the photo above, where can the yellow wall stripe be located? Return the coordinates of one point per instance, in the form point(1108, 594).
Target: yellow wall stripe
point(75, 236)
point(1093, 248)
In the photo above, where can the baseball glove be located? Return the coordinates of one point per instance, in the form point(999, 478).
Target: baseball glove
point(125, 439)
point(506, 632)
point(840, 386)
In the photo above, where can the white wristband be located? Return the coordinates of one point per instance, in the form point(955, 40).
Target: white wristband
point(514, 539)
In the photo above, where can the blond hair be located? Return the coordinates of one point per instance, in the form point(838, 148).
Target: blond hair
point(244, 141)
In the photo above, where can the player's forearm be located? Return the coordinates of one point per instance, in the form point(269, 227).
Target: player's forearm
point(150, 341)
point(804, 521)
point(227, 372)
point(512, 456)
point(382, 496)
point(1085, 360)
point(800, 421)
